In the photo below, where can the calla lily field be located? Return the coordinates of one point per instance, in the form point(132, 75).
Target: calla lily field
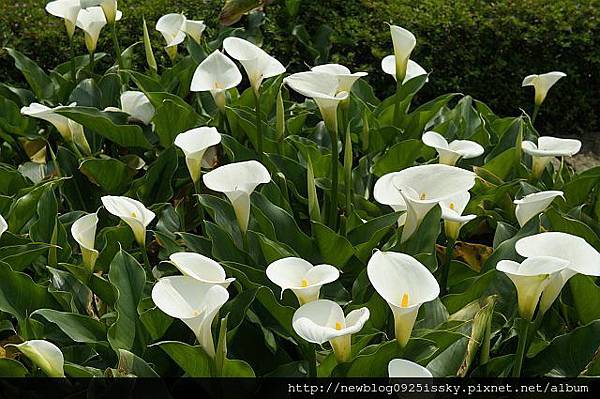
point(219, 216)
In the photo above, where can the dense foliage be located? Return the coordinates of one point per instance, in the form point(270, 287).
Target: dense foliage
point(93, 283)
point(476, 47)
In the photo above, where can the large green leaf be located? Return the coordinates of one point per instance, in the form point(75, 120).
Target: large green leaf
point(38, 80)
point(78, 327)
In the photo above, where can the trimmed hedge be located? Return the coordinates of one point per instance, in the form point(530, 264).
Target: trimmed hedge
point(472, 46)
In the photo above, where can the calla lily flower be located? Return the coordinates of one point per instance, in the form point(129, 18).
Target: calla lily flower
point(109, 8)
point(137, 106)
point(174, 28)
point(404, 43)
point(83, 231)
point(324, 89)
point(385, 193)
point(531, 277)
point(450, 153)
point(194, 144)
point(237, 181)
point(345, 77)
point(547, 148)
point(67, 10)
point(405, 284)
point(217, 73)
point(402, 368)
point(256, 62)
point(91, 20)
point(452, 209)
point(581, 257)
point(45, 355)
point(323, 320)
point(132, 212)
point(533, 204)
point(388, 65)
point(3, 225)
point(424, 186)
point(300, 276)
point(192, 301)
point(70, 130)
point(201, 268)
point(542, 83)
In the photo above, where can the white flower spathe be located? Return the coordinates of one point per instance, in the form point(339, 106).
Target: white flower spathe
point(132, 212)
point(533, 204)
point(256, 62)
point(200, 267)
point(83, 231)
point(300, 276)
point(91, 21)
point(194, 143)
point(45, 355)
point(450, 153)
point(404, 43)
point(452, 209)
point(542, 84)
point(530, 278)
point(547, 148)
point(323, 320)
point(174, 28)
point(109, 8)
point(581, 256)
point(68, 10)
point(3, 225)
point(402, 368)
point(388, 65)
point(405, 284)
point(192, 301)
point(237, 181)
point(217, 74)
point(345, 77)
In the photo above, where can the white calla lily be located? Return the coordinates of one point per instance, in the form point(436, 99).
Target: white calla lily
point(404, 43)
point(547, 148)
point(45, 355)
point(3, 225)
point(533, 204)
point(217, 74)
point(530, 278)
point(452, 209)
point(300, 276)
point(424, 186)
point(132, 212)
point(345, 77)
point(200, 267)
point(137, 106)
point(402, 368)
point(581, 257)
point(542, 84)
point(109, 8)
point(388, 65)
point(70, 130)
point(405, 284)
point(323, 320)
point(256, 62)
point(324, 89)
point(83, 231)
point(192, 301)
point(91, 21)
point(194, 144)
point(68, 10)
point(450, 153)
point(237, 181)
point(174, 28)
point(385, 193)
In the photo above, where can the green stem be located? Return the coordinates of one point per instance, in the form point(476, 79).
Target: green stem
point(485, 346)
point(446, 268)
point(536, 109)
point(348, 172)
point(115, 39)
point(146, 259)
point(259, 129)
point(73, 70)
point(523, 327)
point(397, 102)
point(334, 179)
point(92, 63)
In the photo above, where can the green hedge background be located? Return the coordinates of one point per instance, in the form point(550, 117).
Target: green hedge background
point(477, 47)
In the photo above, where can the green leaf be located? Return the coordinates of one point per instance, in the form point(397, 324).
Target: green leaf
point(129, 363)
point(40, 83)
point(112, 125)
point(78, 327)
point(157, 184)
point(400, 156)
point(12, 368)
point(335, 249)
point(171, 119)
point(586, 297)
point(192, 359)
point(129, 278)
point(112, 175)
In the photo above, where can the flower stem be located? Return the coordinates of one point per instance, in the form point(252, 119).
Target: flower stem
point(73, 70)
point(536, 109)
point(92, 62)
point(348, 172)
point(397, 102)
point(446, 268)
point(115, 39)
point(523, 327)
point(485, 346)
point(259, 129)
point(146, 259)
point(334, 180)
